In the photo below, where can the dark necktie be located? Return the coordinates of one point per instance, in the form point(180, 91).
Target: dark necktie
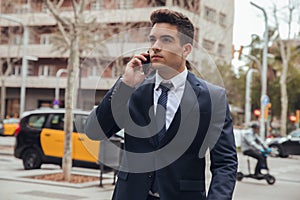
point(161, 113)
point(161, 116)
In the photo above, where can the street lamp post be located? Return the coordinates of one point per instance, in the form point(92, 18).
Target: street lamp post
point(56, 99)
point(264, 98)
point(248, 89)
point(24, 60)
point(248, 97)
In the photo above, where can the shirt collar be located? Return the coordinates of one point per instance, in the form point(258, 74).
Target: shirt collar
point(176, 81)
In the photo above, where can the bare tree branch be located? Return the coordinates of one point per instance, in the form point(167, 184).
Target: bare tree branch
point(64, 34)
point(59, 4)
point(56, 15)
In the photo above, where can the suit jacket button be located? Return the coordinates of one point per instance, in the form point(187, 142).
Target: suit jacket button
point(150, 175)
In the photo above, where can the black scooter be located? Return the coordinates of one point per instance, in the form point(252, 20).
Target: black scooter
point(268, 177)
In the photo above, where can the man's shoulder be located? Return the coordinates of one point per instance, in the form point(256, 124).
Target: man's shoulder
point(203, 83)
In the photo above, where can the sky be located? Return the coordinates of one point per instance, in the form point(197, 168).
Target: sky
point(250, 20)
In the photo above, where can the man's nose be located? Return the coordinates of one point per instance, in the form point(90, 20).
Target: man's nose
point(156, 47)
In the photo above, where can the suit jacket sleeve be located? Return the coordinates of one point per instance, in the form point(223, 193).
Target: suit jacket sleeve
point(223, 154)
point(102, 122)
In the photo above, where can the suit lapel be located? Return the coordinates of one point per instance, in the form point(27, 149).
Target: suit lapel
point(188, 102)
point(147, 108)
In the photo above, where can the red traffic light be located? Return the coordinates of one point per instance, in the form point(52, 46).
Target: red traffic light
point(256, 112)
point(292, 118)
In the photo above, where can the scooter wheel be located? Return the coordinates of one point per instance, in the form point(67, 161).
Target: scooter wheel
point(239, 176)
point(270, 179)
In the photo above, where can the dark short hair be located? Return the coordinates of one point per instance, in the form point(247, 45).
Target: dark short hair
point(254, 126)
point(183, 24)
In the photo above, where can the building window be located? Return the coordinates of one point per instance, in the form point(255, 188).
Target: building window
point(45, 39)
point(126, 4)
point(16, 70)
point(30, 70)
point(210, 14)
point(221, 50)
point(44, 8)
point(222, 19)
point(22, 8)
point(96, 5)
point(208, 44)
point(94, 71)
point(46, 70)
point(17, 39)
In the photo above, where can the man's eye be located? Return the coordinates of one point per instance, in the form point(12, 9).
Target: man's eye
point(152, 40)
point(166, 40)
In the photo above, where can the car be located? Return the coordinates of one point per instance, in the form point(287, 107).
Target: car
point(1, 127)
point(40, 139)
point(285, 146)
point(10, 126)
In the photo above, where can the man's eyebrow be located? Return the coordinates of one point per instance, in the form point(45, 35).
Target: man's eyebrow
point(162, 36)
point(170, 36)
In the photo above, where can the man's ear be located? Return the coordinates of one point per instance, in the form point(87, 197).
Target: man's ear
point(187, 48)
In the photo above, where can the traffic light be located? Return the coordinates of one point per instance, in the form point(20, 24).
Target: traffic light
point(240, 52)
point(256, 112)
point(292, 118)
point(295, 118)
point(268, 111)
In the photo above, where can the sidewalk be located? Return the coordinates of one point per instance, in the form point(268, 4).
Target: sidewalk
point(6, 145)
point(16, 184)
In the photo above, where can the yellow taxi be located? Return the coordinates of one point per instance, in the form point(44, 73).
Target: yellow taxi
point(10, 126)
point(40, 139)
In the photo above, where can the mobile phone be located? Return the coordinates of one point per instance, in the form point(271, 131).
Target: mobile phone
point(146, 64)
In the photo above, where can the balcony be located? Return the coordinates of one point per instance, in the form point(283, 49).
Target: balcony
point(88, 83)
point(110, 50)
point(102, 16)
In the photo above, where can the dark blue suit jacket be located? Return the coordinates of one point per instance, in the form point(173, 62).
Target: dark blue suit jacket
point(202, 123)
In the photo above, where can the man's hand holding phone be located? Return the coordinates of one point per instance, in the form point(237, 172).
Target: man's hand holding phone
point(137, 69)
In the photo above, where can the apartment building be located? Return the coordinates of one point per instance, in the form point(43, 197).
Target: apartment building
point(118, 33)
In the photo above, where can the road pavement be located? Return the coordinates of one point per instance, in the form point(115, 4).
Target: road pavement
point(15, 183)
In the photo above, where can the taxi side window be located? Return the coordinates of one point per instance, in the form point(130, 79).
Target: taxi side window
point(57, 122)
point(36, 121)
point(79, 123)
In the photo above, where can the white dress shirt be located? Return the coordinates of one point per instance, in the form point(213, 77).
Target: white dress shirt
point(174, 96)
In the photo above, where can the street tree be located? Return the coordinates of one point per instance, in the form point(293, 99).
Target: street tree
point(70, 28)
point(82, 36)
point(284, 45)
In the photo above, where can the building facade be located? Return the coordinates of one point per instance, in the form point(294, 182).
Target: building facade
point(112, 31)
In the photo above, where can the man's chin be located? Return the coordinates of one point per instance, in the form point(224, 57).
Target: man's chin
point(158, 66)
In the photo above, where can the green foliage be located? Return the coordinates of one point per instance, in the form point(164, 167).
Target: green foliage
point(234, 85)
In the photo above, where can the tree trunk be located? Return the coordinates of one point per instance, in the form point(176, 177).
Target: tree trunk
point(284, 97)
point(3, 96)
point(73, 66)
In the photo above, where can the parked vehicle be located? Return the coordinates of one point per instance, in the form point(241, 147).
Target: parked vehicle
point(10, 126)
point(40, 139)
point(285, 146)
point(1, 127)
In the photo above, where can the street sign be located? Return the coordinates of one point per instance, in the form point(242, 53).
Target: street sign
point(56, 102)
point(265, 100)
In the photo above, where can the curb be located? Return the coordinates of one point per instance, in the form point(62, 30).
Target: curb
point(26, 176)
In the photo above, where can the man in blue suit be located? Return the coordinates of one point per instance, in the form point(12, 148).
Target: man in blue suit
point(171, 119)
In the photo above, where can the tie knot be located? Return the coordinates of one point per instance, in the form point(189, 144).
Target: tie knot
point(165, 87)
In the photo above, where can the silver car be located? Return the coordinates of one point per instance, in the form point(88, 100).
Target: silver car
point(285, 146)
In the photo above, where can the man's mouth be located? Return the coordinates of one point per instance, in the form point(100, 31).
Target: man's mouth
point(155, 56)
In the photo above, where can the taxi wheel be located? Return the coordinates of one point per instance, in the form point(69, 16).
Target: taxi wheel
point(32, 159)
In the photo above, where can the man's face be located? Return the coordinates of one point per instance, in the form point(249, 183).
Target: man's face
point(167, 54)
